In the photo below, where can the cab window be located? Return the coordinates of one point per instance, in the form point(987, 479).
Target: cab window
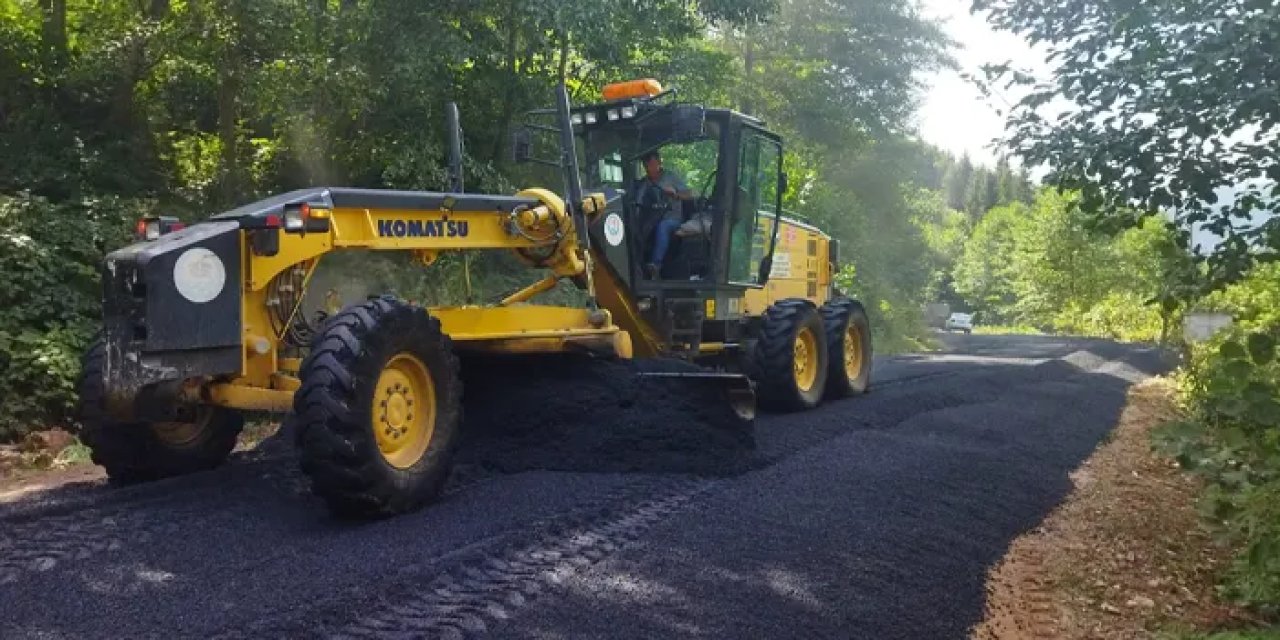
point(755, 206)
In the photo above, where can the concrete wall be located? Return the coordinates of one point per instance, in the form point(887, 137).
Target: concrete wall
point(1199, 327)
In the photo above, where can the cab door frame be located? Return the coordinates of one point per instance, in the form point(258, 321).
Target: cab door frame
point(742, 128)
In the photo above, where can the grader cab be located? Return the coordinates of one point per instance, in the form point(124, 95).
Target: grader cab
point(205, 322)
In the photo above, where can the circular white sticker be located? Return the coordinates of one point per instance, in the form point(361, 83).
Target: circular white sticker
point(199, 275)
point(613, 229)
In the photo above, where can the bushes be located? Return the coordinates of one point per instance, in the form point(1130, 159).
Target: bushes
point(50, 301)
point(1121, 315)
point(897, 324)
point(1231, 389)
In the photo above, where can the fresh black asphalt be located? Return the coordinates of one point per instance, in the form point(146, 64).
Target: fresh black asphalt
point(874, 517)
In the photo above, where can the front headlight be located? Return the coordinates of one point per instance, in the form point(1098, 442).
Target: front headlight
point(293, 220)
point(199, 275)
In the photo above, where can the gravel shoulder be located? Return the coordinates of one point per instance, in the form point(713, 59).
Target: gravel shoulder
point(1125, 556)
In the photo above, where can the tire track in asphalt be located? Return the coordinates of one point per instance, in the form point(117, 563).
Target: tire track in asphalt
point(40, 544)
point(111, 524)
point(41, 538)
point(493, 589)
point(36, 544)
point(458, 598)
point(461, 593)
point(461, 602)
point(78, 531)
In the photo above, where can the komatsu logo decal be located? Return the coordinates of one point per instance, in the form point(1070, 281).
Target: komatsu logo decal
point(423, 228)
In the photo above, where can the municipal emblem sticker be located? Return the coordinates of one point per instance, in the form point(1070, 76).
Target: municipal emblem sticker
point(614, 230)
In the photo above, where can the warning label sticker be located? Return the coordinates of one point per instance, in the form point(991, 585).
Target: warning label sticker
point(781, 265)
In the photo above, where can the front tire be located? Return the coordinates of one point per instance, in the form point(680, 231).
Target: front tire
point(379, 410)
point(790, 359)
point(138, 451)
point(849, 347)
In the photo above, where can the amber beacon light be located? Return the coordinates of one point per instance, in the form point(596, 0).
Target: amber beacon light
point(646, 88)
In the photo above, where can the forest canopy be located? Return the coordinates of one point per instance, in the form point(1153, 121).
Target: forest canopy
point(121, 108)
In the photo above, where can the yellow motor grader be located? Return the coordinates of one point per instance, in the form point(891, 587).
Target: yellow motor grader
point(204, 322)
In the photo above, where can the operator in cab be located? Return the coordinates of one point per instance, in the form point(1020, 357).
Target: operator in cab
point(661, 184)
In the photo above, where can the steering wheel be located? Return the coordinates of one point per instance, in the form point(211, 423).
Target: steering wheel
point(706, 184)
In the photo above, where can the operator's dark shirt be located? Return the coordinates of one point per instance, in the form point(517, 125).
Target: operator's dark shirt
point(652, 191)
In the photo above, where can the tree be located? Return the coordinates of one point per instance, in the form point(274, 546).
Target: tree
point(1170, 106)
point(959, 179)
point(1008, 188)
point(838, 73)
point(984, 273)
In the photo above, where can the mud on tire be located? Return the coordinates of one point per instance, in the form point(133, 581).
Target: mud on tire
point(138, 451)
point(773, 361)
point(838, 315)
point(338, 448)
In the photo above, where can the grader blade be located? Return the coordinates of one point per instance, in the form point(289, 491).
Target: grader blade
point(735, 388)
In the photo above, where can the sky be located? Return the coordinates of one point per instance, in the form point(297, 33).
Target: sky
point(957, 118)
point(954, 115)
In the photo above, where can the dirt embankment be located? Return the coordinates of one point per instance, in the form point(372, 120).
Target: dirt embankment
point(1126, 556)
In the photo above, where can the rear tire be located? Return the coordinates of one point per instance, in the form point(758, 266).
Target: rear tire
point(372, 367)
point(849, 347)
point(138, 451)
point(790, 358)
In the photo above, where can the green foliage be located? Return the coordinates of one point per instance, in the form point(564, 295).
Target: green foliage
point(1168, 108)
point(976, 190)
point(1006, 329)
point(1260, 634)
point(49, 300)
point(1122, 315)
point(1044, 265)
point(1231, 389)
point(112, 109)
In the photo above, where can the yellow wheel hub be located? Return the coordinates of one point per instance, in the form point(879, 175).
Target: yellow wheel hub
point(404, 411)
point(806, 359)
point(853, 351)
point(178, 434)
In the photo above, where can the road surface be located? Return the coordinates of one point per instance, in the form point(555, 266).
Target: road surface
point(874, 517)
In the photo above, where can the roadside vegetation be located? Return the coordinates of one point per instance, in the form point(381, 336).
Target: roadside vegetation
point(1161, 118)
point(1040, 266)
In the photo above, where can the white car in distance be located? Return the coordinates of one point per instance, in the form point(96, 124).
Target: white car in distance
point(960, 322)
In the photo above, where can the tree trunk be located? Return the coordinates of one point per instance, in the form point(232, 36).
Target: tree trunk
point(228, 114)
point(564, 57)
point(509, 91)
point(53, 29)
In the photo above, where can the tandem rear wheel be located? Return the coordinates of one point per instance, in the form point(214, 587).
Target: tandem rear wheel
point(379, 409)
point(849, 344)
point(806, 354)
point(790, 359)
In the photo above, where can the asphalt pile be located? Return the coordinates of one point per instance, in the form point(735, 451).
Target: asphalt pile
point(575, 413)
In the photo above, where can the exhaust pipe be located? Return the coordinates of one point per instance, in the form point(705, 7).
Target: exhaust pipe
point(454, 124)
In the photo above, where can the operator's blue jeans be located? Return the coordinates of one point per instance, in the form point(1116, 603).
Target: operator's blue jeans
point(666, 228)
